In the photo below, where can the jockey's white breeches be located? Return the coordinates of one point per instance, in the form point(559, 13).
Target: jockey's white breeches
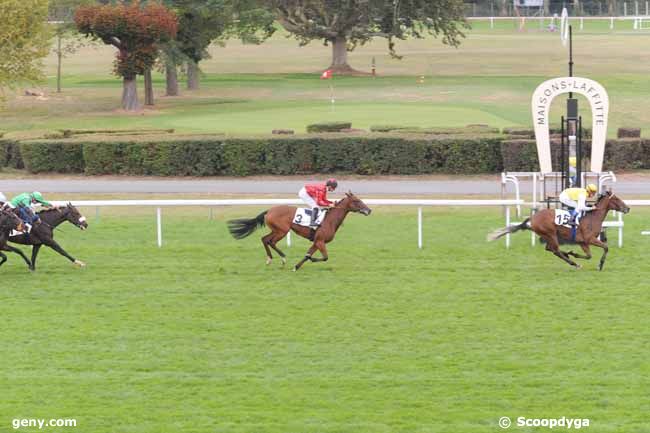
point(565, 199)
point(304, 196)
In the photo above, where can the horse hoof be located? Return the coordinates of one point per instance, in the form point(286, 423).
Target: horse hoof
point(268, 261)
point(295, 269)
point(578, 266)
point(284, 261)
point(80, 263)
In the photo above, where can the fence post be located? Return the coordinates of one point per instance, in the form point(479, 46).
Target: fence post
point(611, 23)
point(508, 225)
point(420, 227)
point(620, 230)
point(159, 226)
point(289, 238)
point(97, 213)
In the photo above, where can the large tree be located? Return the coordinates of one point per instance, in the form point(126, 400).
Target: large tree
point(24, 41)
point(135, 31)
point(344, 24)
point(202, 22)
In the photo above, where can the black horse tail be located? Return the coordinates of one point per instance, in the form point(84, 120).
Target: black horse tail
point(507, 230)
point(240, 228)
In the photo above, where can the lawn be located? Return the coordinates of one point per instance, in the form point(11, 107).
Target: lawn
point(202, 336)
point(254, 89)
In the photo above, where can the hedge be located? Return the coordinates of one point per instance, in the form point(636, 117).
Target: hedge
point(328, 127)
point(373, 154)
point(10, 155)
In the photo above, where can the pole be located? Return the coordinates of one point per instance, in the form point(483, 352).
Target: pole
point(159, 226)
point(289, 239)
point(420, 227)
point(508, 225)
point(620, 230)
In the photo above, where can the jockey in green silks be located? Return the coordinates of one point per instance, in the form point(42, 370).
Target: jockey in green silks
point(25, 202)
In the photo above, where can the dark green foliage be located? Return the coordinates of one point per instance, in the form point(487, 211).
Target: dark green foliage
point(628, 133)
point(328, 127)
point(626, 154)
point(519, 155)
point(217, 155)
point(45, 156)
point(10, 154)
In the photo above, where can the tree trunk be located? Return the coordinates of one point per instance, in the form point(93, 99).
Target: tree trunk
point(192, 75)
point(148, 88)
point(340, 55)
point(130, 94)
point(59, 60)
point(171, 78)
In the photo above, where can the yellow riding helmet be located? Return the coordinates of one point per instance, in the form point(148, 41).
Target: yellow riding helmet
point(592, 188)
point(573, 161)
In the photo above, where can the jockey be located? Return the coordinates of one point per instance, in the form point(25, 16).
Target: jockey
point(315, 195)
point(26, 202)
point(575, 199)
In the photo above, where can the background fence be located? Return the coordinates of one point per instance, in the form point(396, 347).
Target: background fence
point(419, 204)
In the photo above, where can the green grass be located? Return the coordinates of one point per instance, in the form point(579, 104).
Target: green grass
point(201, 336)
point(254, 89)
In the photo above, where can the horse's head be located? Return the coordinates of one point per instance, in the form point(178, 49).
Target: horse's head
point(73, 215)
point(10, 221)
point(613, 202)
point(354, 204)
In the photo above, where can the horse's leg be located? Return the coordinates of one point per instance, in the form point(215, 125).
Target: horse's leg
point(277, 238)
point(20, 253)
point(323, 250)
point(597, 242)
point(553, 245)
point(3, 259)
point(586, 249)
point(311, 251)
point(35, 250)
point(265, 241)
point(56, 247)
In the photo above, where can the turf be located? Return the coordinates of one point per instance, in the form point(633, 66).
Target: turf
point(201, 336)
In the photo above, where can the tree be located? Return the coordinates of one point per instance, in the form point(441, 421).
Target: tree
point(202, 22)
point(24, 41)
point(61, 14)
point(135, 31)
point(345, 24)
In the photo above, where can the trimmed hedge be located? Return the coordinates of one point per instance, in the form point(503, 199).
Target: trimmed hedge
point(328, 127)
point(218, 155)
point(10, 155)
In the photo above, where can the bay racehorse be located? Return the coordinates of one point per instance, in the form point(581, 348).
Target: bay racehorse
point(279, 220)
point(543, 223)
point(42, 233)
point(9, 221)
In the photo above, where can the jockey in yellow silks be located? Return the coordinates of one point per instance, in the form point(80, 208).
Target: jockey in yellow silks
point(576, 200)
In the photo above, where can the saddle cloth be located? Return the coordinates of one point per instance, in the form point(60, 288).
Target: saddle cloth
point(562, 218)
point(302, 217)
point(28, 228)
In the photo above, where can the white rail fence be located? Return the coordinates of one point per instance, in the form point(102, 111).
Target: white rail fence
point(506, 204)
point(160, 204)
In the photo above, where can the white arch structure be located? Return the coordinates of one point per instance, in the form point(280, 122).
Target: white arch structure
point(541, 103)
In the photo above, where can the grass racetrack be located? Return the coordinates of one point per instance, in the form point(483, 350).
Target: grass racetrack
point(202, 336)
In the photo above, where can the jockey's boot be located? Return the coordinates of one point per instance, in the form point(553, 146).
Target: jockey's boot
point(574, 217)
point(314, 217)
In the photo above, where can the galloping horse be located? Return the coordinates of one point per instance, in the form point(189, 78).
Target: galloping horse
point(8, 221)
point(543, 223)
point(280, 220)
point(43, 234)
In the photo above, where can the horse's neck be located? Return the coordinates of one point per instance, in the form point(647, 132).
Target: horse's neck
point(336, 216)
point(600, 213)
point(53, 218)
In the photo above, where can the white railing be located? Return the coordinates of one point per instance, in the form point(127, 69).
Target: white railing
point(419, 203)
point(159, 204)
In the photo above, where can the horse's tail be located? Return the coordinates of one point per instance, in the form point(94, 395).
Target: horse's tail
point(507, 230)
point(240, 228)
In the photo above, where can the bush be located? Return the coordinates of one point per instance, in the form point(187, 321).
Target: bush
point(625, 154)
point(628, 133)
point(45, 156)
point(10, 154)
point(519, 155)
point(328, 127)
